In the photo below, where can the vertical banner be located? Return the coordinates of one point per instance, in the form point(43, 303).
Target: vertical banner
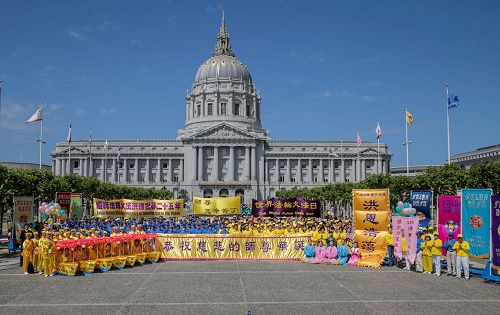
point(217, 206)
point(449, 218)
point(76, 206)
point(495, 231)
point(64, 200)
point(422, 201)
point(23, 212)
point(407, 226)
point(476, 208)
point(371, 215)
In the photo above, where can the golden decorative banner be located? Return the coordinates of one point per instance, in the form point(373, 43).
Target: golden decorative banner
point(371, 223)
point(370, 199)
point(230, 247)
point(23, 212)
point(217, 206)
point(130, 208)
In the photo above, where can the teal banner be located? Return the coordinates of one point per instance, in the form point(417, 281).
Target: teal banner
point(476, 208)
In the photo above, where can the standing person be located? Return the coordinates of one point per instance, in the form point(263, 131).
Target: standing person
point(22, 238)
point(28, 247)
point(451, 255)
point(461, 246)
point(389, 238)
point(404, 249)
point(426, 254)
point(436, 251)
point(343, 252)
point(418, 260)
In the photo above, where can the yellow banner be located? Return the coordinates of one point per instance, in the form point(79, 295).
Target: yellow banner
point(371, 223)
point(214, 247)
point(23, 212)
point(370, 199)
point(130, 208)
point(367, 220)
point(217, 206)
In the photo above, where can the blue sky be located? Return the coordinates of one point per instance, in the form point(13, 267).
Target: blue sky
point(325, 69)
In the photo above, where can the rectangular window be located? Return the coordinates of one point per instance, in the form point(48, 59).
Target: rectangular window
point(236, 109)
point(282, 178)
point(176, 178)
point(131, 165)
point(293, 179)
point(120, 164)
point(198, 110)
point(165, 165)
point(249, 112)
point(77, 164)
point(315, 179)
point(325, 180)
point(209, 109)
point(223, 108)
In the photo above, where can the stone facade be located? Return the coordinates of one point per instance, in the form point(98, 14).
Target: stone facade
point(222, 150)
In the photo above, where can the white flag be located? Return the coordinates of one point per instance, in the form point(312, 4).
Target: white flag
point(37, 116)
point(106, 145)
point(331, 153)
point(69, 134)
point(378, 131)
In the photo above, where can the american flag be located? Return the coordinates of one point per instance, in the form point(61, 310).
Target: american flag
point(378, 131)
point(331, 153)
point(359, 141)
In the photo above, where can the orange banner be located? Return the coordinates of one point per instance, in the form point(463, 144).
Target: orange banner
point(370, 199)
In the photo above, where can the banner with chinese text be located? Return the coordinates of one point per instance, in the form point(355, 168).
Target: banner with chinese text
point(64, 200)
point(449, 220)
point(476, 209)
point(495, 231)
point(217, 206)
point(407, 226)
point(23, 212)
point(421, 200)
point(293, 207)
point(371, 222)
point(230, 247)
point(130, 208)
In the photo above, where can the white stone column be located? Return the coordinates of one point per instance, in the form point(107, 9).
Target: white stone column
point(136, 174)
point(170, 170)
point(266, 170)
point(91, 167)
point(215, 168)
point(125, 170)
point(181, 170)
point(299, 171)
point(310, 170)
point(158, 171)
point(321, 169)
point(85, 167)
point(247, 163)
point(342, 171)
point(231, 164)
point(288, 169)
point(363, 169)
point(331, 171)
point(58, 167)
point(113, 175)
point(148, 171)
point(103, 170)
point(253, 164)
point(68, 165)
point(200, 163)
point(353, 170)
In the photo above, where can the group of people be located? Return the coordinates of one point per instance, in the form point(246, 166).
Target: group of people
point(335, 252)
point(429, 249)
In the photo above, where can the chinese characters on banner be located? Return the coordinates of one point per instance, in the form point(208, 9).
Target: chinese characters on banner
point(293, 207)
point(214, 247)
point(371, 223)
point(129, 208)
point(476, 208)
point(23, 212)
point(422, 201)
point(449, 220)
point(217, 206)
point(64, 200)
point(495, 231)
point(408, 226)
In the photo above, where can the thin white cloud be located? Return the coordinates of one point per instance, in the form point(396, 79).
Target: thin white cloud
point(368, 98)
point(77, 33)
point(108, 111)
point(108, 26)
point(135, 42)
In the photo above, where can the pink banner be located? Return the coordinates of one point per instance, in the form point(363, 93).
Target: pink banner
point(448, 217)
point(408, 226)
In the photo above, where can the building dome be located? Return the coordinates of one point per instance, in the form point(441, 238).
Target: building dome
point(223, 67)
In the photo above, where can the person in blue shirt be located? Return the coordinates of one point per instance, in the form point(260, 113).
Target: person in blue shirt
point(342, 252)
point(418, 260)
point(451, 255)
point(309, 250)
point(224, 230)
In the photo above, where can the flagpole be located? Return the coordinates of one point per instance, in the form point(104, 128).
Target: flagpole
point(406, 143)
point(448, 124)
point(342, 177)
point(40, 143)
point(106, 161)
point(69, 151)
point(378, 154)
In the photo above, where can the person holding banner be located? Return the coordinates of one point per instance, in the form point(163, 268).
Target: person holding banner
point(418, 260)
point(389, 239)
point(404, 250)
point(436, 251)
point(462, 248)
point(427, 255)
point(451, 255)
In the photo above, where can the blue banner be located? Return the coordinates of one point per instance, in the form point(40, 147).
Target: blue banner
point(476, 205)
point(422, 201)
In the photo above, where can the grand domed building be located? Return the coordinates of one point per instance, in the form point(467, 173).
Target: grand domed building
point(222, 149)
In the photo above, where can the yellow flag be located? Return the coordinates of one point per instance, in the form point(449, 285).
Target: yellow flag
point(409, 118)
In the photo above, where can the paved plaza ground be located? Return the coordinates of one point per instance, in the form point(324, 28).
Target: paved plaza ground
point(236, 287)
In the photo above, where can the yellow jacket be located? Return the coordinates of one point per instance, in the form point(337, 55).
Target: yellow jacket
point(437, 247)
point(426, 249)
point(404, 245)
point(389, 238)
point(462, 249)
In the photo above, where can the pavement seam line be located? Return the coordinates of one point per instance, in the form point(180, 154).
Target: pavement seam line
point(242, 289)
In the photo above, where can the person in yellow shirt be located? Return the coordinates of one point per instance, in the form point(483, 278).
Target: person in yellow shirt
point(28, 247)
point(36, 256)
point(462, 247)
point(427, 255)
point(404, 250)
point(436, 251)
point(389, 239)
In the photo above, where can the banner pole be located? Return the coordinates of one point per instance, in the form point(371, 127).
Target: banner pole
point(407, 144)
point(448, 125)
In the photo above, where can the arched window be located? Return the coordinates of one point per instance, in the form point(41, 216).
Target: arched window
point(208, 193)
point(223, 192)
point(239, 192)
point(236, 111)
